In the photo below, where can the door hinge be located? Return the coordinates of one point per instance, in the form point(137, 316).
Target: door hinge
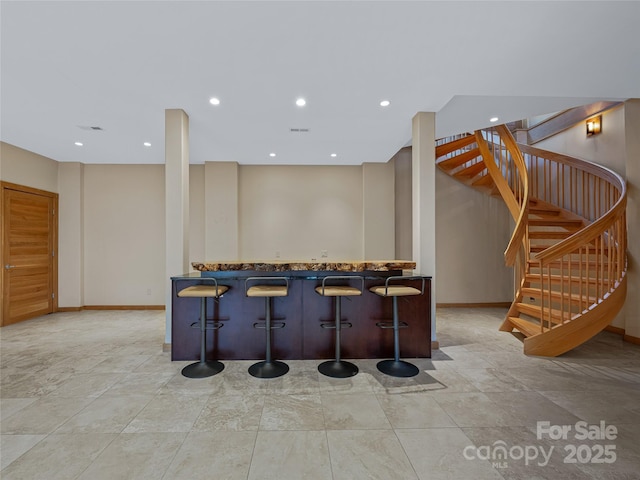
point(53, 253)
point(53, 295)
point(53, 212)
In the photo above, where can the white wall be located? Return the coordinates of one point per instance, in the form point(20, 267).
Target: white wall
point(124, 236)
point(300, 211)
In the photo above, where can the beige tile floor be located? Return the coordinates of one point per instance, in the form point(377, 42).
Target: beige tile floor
point(90, 395)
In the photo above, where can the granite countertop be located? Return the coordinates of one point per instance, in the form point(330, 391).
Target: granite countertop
point(314, 266)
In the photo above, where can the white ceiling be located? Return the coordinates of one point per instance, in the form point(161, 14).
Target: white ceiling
point(118, 65)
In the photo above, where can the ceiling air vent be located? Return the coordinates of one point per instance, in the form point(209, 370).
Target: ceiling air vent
point(89, 127)
point(299, 130)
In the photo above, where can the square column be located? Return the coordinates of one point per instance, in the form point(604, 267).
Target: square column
point(176, 171)
point(632, 147)
point(423, 161)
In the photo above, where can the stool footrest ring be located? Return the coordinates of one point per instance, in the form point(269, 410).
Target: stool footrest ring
point(274, 326)
point(333, 325)
point(210, 325)
point(390, 324)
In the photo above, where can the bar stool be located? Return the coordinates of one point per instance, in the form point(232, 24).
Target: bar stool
point(338, 368)
point(268, 368)
point(204, 368)
point(397, 367)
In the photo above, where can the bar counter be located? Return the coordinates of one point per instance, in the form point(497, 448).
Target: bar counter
point(302, 311)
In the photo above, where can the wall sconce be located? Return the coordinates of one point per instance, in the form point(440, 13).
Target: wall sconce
point(594, 126)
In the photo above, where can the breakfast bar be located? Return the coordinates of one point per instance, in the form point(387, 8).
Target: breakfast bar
point(302, 311)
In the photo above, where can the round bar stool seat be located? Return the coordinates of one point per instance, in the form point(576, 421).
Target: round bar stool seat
point(204, 368)
point(397, 367)
point(267, 368)
point(338, 368)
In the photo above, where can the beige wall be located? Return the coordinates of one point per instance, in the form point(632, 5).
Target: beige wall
point(403, 205)
point(472, 232)
point(378, 211)
point(299, 211)
point(124, 236)
point(221, 211)
point(27, 168)
point(607, 148)
point(613, 148)
point(196, 213)
point(71, 235)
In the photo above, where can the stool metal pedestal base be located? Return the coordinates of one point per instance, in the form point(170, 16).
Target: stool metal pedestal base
point(338, 369)
point(202, 369)
point(398, 368)
point(266, 369)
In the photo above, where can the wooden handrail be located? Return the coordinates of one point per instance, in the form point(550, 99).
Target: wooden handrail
point(584, 236)
point(518, 205)
point(601, 224)
point(579, 203)
point(520, 230)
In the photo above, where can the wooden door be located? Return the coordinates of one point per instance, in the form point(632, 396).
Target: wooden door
point(29, 261)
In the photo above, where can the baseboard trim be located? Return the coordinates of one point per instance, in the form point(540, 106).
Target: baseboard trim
point(435, 345)
point(612, 329)
point(474, 305)
point(621, 331)
point(631, 339)
point(166, 347)
point(124, 307)
point(111, 307)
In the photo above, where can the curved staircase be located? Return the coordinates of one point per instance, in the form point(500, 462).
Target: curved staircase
point(568, 246)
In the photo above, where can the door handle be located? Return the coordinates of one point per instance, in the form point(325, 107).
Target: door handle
point(8, 267)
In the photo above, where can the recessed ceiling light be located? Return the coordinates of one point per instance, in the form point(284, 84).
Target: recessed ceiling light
point(214, 101)
point(146, 144)
point(334, 154)
point(385, 103)
point(272, 154)
point(79, 144)
point(301, 102)
point(493, 119)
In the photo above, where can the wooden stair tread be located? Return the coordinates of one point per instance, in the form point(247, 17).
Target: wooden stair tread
point(454, 145)
point(527, 328)
point(541, 248)
point(453, 162)
point(535, 278)
point(544, 212)
point(575, 264)
point(472, 170)
point(536, 312)
point(556, 295)
point(555, 222)
point(549, 235)
point(484, 180)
